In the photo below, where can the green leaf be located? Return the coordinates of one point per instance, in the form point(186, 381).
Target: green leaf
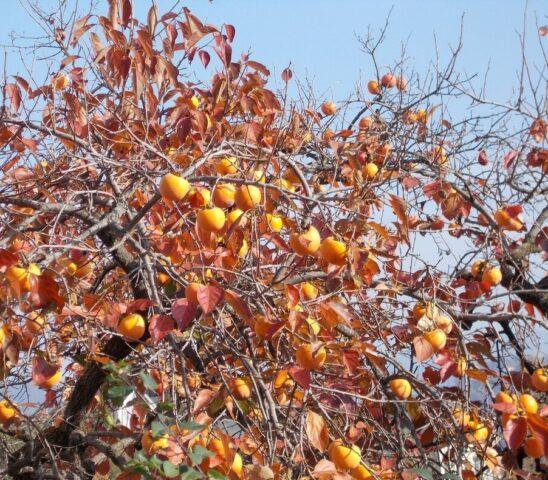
point(148, 382)
point(216, 475)
point(157, 428)
point(191, 426)
point(170, 470)
point(423, 472)
point(118, 392)
point(189, 473)
point(198, 454)
point(165, 406)
point(450, 476)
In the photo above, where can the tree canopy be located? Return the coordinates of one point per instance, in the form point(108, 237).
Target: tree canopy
point(273, 288)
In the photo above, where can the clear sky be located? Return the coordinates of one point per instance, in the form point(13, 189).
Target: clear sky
point(319, 36)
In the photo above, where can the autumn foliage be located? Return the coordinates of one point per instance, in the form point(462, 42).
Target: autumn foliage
point(342, 289)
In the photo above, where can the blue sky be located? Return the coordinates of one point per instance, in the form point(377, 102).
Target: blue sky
point(319, 37)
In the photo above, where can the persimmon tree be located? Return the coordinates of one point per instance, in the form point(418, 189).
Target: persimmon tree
point(350, 289)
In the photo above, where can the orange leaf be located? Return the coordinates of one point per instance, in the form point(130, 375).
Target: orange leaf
point(324, 470)
point(317, 431)
point(423, 349)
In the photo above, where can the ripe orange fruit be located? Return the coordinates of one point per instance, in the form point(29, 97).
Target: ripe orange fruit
point(173, 187)
point(238, 216)
point(436, 338)
point(193, 102)
point(240, 389)
point(191, 291)
point(227, 166)
point(333, 251)
point(305, 243)
point(7, 412)
point(480, 431)
point(401, 388)
point(439, 155)
point(444, 323)
point(151, 445)
point(477, 268)
point(533, 448)
point(132, 326)
point(52, 381)
point(223, 195)
point(506, 221)
point(344, 458)
point(492, 276)
point(365, 123)
point(370, 170)
point(361, 473)
point(199, 197)
point(211, 219)
point(528, 403)
point(309, 291)
point(388, 80)
point(271, 222)
point(401, 84)
point(275, 222)
point(21, 276)
point(310, 357)
point(60, 81)
point(420, 309)
point(462, 418)
point(504, 397)
point(539, 380)
point(373, 87)
point(248, 197)
point(34, 323)
point(329, 108)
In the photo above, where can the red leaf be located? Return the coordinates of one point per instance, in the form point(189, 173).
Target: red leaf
point(509, 158)
point(42, 370)
point(504, 407)
point(259, 67)
point(139, 304)
point(423, 349)
point(301, 376)
point(80, 27)
point(209, 297)
point(49, 400)
point(482, 158)
point(224, 51)
point(183, 312)
point(7, 258)
point(127, 12)
point(351, 360)
point(45, 290)
point(204, 57)
point(230, 32)
point(543, 31)
point(287, 74)
point(203, 399)
point(238, 304)
point(193, 29)
point(14, 92)
point(539, 427)
point(159, 327)
point(515, 431)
